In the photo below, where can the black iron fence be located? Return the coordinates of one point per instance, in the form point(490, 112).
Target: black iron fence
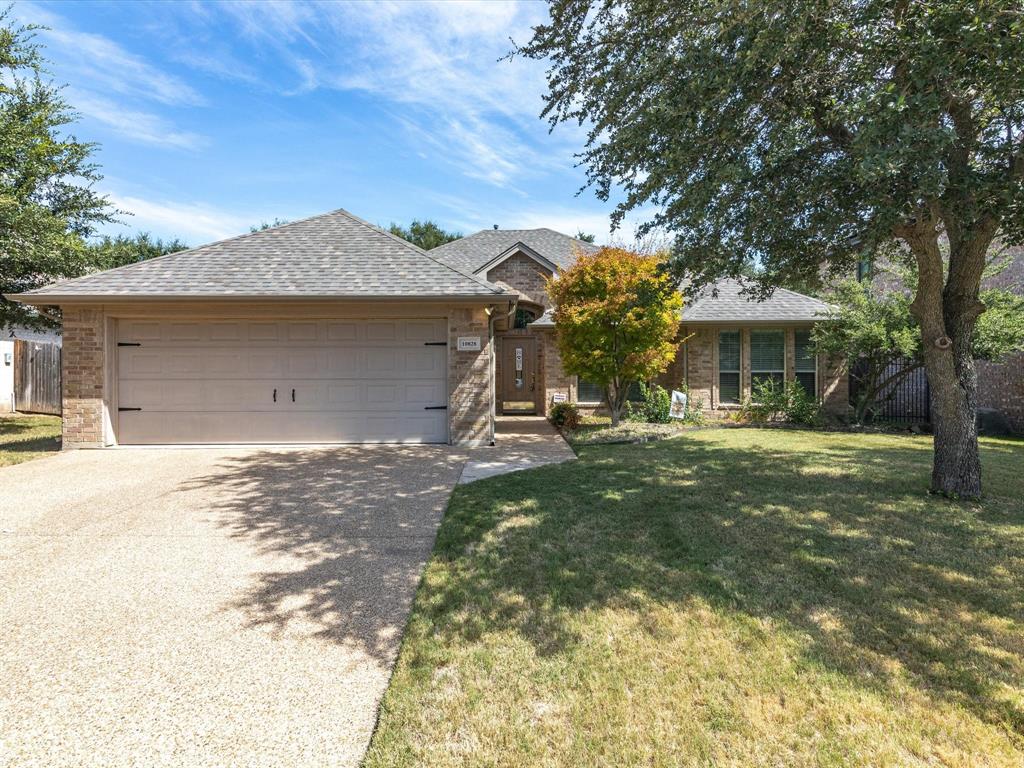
point(906, 401)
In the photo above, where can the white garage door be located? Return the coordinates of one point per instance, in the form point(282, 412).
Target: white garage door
point(286, 381)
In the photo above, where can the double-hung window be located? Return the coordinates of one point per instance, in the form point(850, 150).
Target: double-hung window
point(806, 364)
point(728, 366)
point(589, 392)
point(767, 356)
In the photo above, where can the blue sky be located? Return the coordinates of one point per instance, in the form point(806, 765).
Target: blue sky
point(215, 116)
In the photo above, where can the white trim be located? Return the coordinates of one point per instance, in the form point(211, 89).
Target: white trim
point(515, 250)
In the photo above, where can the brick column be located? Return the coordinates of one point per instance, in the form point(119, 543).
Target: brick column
point(554, 378)
point(82, 363)
point(470, 376)
point(835, 386)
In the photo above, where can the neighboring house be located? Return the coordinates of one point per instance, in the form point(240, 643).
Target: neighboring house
point(330, 329)
point(8, 336)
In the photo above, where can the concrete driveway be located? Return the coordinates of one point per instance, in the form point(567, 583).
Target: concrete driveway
point(208, 607)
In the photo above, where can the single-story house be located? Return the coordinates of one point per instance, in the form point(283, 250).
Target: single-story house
point(330, 329)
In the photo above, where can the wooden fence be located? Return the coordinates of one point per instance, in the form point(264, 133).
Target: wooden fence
point(37, 377)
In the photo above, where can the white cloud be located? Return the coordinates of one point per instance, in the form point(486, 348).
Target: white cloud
point(104, 63)
point(196, 223)
point(135, 125)
point(437, 63)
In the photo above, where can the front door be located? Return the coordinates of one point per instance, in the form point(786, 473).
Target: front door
point(518, 391)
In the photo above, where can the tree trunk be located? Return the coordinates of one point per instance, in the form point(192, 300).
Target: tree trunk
point(947, 314)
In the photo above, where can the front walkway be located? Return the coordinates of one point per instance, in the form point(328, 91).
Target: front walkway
point(521, 442)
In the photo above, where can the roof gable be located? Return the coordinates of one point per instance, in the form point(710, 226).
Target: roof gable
point(333, 255)
point(476, 252)
point(516, 250)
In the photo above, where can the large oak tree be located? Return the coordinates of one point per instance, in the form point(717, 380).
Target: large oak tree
point(805, 135)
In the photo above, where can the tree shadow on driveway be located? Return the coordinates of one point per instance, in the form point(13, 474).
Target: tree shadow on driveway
point(340, 535)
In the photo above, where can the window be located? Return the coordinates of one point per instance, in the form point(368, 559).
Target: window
point(523, 318)
point(806, 365)
point(728, 366)
point(589, 392)
point(767, 356)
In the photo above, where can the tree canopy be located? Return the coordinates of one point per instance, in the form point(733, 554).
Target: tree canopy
point(425, 234)
point(616, 318)
point(47, 202)
point(120, 250)
point(806, 135)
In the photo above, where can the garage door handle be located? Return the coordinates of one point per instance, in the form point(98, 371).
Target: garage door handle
point(275, 395)
point(436, 408)
point(293, 395)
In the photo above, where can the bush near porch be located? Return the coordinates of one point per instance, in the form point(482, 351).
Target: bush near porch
point(729, 597)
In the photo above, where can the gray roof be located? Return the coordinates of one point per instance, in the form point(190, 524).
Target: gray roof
point(731, 306)
point(332, 255)
point(473, 252)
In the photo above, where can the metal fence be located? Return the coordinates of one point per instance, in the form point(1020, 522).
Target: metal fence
point(907, 401)
point(37, 377)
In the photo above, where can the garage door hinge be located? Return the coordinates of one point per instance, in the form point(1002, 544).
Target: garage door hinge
point(435, 343)
point(436, 408)
point(129, 344)
point(129, 409)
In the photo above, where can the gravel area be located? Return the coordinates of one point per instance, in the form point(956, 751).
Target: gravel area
point(208, 607)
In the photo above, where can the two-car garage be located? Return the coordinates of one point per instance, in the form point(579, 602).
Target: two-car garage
point(281, 381)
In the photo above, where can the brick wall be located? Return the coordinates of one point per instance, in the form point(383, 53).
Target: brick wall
point(834, 386)
point(522, 274)
point(1001, 386)
point(82, 363)
point(469, 378)
point(554, 378)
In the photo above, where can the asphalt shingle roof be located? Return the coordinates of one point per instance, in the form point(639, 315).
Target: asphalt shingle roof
point(730, 305)
point(472, 252)
point(331, 255)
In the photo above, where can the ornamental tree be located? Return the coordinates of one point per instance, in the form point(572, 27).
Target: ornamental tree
point(616, 318)
point(803, 136)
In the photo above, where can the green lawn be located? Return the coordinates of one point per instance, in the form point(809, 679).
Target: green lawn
point(24, 437)
point(727, 597)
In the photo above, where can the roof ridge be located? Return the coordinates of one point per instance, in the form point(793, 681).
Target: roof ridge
point(73, 280)
point(419, 250)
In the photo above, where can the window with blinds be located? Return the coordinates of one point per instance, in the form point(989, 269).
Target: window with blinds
point(589, 392)
point(767, 356)
point(728, 366)
point(806, 362)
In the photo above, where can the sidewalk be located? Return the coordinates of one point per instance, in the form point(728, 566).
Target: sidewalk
point(521, 442)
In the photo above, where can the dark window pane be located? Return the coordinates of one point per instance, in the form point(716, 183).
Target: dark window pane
point(807, 381)
point(523, 317)
point(804, 350)
point(588, 392)
point(728, 387)
point(767, 350)
point(729, 351)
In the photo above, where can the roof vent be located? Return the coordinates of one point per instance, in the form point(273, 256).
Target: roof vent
point(495, 226)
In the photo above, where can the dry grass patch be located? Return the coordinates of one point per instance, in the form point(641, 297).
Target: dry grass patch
point(728, 597)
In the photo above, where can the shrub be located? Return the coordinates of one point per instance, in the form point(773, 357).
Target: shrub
point(565, 416)
point(788, 402)
point(694, 408)
point(654, 406)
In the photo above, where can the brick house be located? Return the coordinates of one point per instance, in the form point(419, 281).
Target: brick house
point(331, 330)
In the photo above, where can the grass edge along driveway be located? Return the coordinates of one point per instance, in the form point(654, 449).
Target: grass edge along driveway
point(25, 436)
point(740, 597)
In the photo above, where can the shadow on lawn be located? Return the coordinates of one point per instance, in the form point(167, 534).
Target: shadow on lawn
point(347, 530)
point(844, 548)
